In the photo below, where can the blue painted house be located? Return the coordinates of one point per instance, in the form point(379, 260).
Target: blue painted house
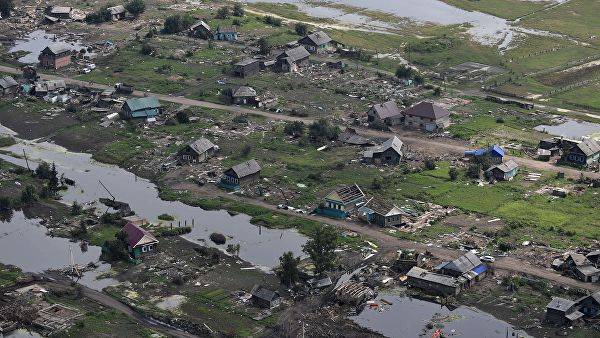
point(227, 33)
point(582, 154)
point(495, 152)
point(340, 202)
point(141, 107)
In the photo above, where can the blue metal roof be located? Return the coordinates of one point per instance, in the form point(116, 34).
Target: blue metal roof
point(480, 269)
point(495, 150)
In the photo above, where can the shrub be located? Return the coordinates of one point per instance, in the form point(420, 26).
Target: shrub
point(168, 232)
point(100, 16)
point(264, 46)
point(429, 164)
point(321, 131)
point(295, 128)
point(238, 10)
point(6, 7)
point(453, 173)
point(218, 238)
point(147, 49)
point(223, 13)
point(135, 7)
point(29, 195)
point(404, 72)
point(182, 117)
point(177, 23)
point(301, 28)
point(269, 20)
point(166, 217)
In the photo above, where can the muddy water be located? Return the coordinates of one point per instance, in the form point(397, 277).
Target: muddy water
point(34, 42)
point(260, 246)
point(408, 317)
point(572, 129)
point(24, 243)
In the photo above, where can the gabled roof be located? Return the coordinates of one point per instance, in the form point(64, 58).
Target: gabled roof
point(428, 110)
point(137, 236)
point(226, 29)
point(560, 304)
point(505, 167)
point(143, 103)
point(116, 9)
point(578, 259)
point(56, 48)
point(316, 38)
point(588, 146)
point(244, 169)
point(260, 292)
point(587, 270)
point(419, 273)
point(201, 145)
point(464, 263)
point(246, 62)
point(60, 10)
point(346, 194)
point(244, 91)
point(7, 82)
point(384, 208)
point(294, 54)
point(199, 24)
point(393, 143)
point(386, 109)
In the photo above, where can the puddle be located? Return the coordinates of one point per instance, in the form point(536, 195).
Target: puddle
point(572, 129)
point(36, 41)
point(259, 245)
point(24, 243)
point(409, 317)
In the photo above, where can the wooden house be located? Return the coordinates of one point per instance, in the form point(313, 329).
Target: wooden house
point(197, 151)
point(503, 171)
point(226, 33)
point(116, 12)
point(200, 30)
point(590, 305)
point(584, 153)
point(143, 107)
point(427, 116)
point(139, 240)
point(387, 153)
point(245, 95)
point(292, 60)
point(8, 85)
point(433, 283)
point(341, 201)
point(264, 298)
point(562, 311)
point(246, 67)
point(386, 214)
point(240, 175)
point(384, 114)
point(55, 56)
point(468, 268)
point(316, 42)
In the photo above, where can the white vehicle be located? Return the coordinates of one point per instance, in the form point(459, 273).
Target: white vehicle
point(91, 66)
point(85, 70)
point(487, 259)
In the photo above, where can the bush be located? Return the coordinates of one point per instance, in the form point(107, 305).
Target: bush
point(218, 238)
point(295, 128)
point(177, 23)
point(453, 173)
point(147, 49)
point(264, 46)
point(269, 20)
point(182, 117)
point(76, 208)
point(246, 150)
point(5, 203)
point(301, 28)
point(429, 164)
point(100, 16)
point(223, 13)
point(29, 195)
point(166, 217)
point(238, 10)
point(241, 119)
point(321, 131)
point(6, 7)
point(168, 232)
point(404, 72)
point(135, 7)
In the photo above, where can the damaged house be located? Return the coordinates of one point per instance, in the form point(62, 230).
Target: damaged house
point(427, 116)
point(116, 12)
point(584, 153)
point(43, 88)
point(467, 268)
point(245, 173)
point(384, 214)
point(197, 151)
point(388, 153)
point(566, 312)
point(145, 107)
point(354, 293)
point(504, 171)
point(340, 202)
point(384, 114)
point(580, 267)
point(265, 298)
point(8, 85)
point(59, 12)
point(55, 56)
point(433, 283)
point(292, 60)
point(245, 95)
point(226, 33)
point(200, 30)
point(246, 67)
point(349, 136)
point(316, 42)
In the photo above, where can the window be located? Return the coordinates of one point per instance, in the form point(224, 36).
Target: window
point(144, 249)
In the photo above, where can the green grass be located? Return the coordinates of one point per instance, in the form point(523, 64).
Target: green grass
point(584, 97)
point(8, 275)
point(120, 152)
point(103, 233)
point(105, 323)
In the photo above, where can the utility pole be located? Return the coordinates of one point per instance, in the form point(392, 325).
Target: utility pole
point(26, 161)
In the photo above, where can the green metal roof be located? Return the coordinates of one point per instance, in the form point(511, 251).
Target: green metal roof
point(142, 103)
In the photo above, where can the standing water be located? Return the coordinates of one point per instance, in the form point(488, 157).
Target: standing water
point(36, 41)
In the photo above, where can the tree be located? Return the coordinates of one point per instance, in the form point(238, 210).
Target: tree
point(301, 28)
point(289, 269)
point(437, 91)
point(76, 208)
point(453, 173)
point(100, 16)
point(182, 117)
point(223, 13)
point(5, 203)
point(321, 131)
point(238, 10)
point(135, 7)
point(418, 80)
point(264, 46)
point(116, 249)
point(43, 171)
point(147, 49)
point(28, 195)
point(320, 248)
point(429, 164)
point(177, 23)
point(404, 72)
point(474, 171)
point(6, 7)
point(295, 128)
point(53, 182)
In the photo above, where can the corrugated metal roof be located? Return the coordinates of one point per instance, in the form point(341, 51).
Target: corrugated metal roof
point(317, 38)
point(560, 304)
point(394, 143)
point(589, 147)
point(294, 54)
point(143, 103)
point(7, 82)
point(464, 263)
point(56, 48)
point(244, 91)
point(346, 194)
point(201, 145)
point(425, 275)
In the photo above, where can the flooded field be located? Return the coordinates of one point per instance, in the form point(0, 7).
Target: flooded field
point(411, 317)
point(259, 246)
point(34, 42)
point(572, 129)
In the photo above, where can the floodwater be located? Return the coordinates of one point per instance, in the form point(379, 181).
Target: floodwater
point(259, 245)
point(572, 129)
point(409, 317)
point(24, 243)
point(21, 333)
point(36, 41)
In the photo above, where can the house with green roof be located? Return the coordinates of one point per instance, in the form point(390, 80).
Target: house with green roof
point(141, 107)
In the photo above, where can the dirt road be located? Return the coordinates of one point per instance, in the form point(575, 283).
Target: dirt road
point(440, 145)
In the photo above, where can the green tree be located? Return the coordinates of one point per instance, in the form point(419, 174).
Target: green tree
point(321, 131)
point(136, 7)
point(295, 128)
point(289, 274)
point(418, 79)
point(223, 13)
point(429, 163)
point(177, 23)
point(100, 16)
point(43, 171)
point(182, 117)
point(76, 208)
point(320, 248)
point(6, 7)
point(53, 181)
point(301, 28)
point(5, 203)
point(29, 195)
point(453, 173)
point(404, 72)
point(238, 10)
point(264, 46)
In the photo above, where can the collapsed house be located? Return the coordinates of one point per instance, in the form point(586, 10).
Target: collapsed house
point(116, 12)
point(578, 266)
point(388, 153)
point(8, 85)
point(340, 202)
point(198, 151)
point(354, 293)
point(408, 259)
point(43, 88)
point(349, 136)
point(240, 175)
point(246, 67)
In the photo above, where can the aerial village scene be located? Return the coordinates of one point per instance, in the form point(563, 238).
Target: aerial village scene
point(300, 168)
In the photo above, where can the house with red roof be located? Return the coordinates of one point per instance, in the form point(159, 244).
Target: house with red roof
point(139, 240)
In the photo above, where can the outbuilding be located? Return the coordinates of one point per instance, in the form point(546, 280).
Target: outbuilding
point(384, 114)
point(503, 171)
point(292, 59)
point(145, 107)
point(116, 12)
point(200, 30)
point(245, 95)
point(8, 85)
point(246, 67)
point(265, 298)
point(387, 153)
point(427, 116)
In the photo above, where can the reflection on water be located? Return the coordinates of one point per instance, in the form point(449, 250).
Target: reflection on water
point(260, 246)
point(36, 41)
point(410, 317)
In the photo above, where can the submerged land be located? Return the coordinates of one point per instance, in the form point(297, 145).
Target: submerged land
point(76, 169)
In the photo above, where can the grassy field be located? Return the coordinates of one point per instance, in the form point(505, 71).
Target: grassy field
point(584, 97)
point(508, 9)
